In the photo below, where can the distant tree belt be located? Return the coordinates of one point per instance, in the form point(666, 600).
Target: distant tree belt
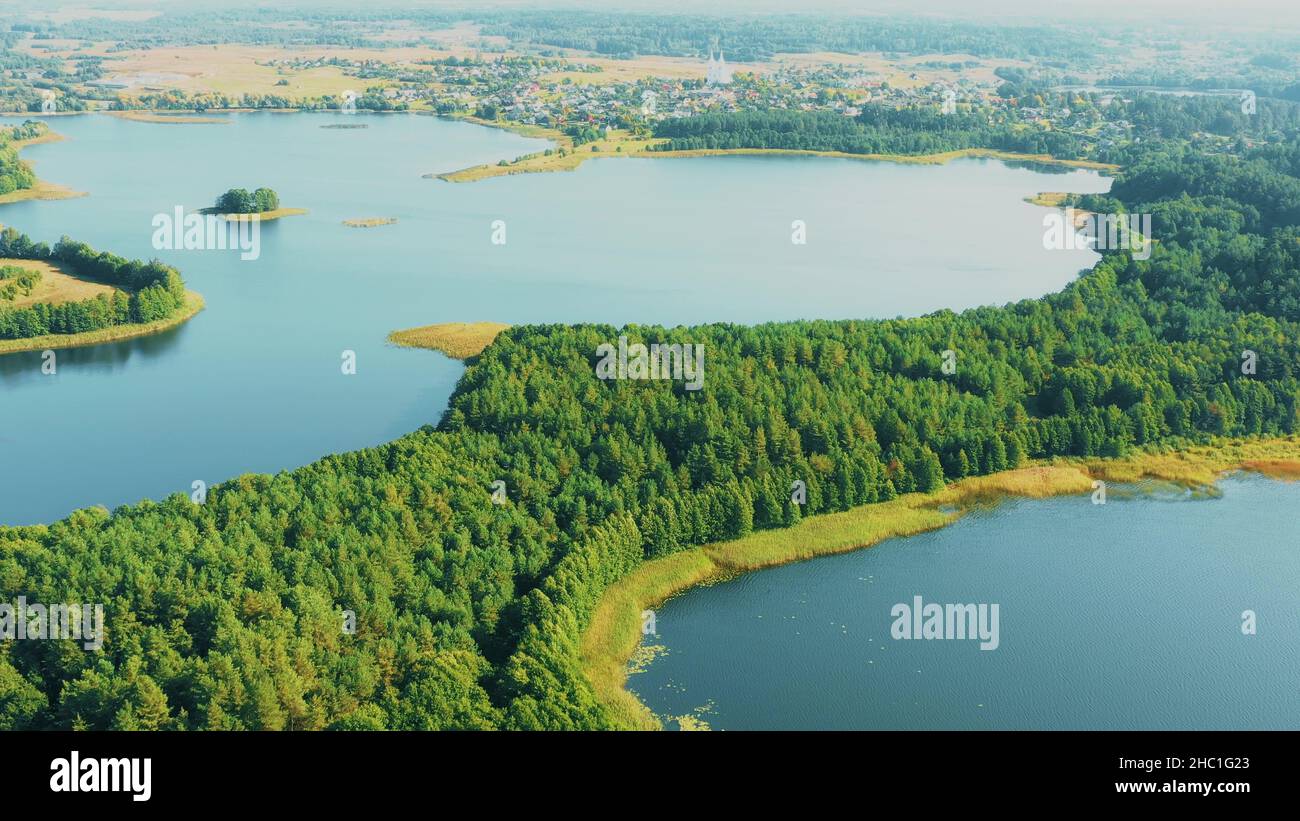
point(200, 102)
point(761, 38)
point(147, 291)
point(619, 33)
point(1184, 117)
point(878, 130)
point(924, 129)
point(227, 615)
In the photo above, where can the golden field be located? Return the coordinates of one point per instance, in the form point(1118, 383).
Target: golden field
point(55, 287)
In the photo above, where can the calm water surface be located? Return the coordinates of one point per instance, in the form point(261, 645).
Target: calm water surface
point(1119, 616)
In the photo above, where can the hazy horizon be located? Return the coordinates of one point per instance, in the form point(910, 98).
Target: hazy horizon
point(1247, 14)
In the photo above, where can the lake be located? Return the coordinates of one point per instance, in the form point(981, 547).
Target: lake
point(1126, 615)
point(254, 384)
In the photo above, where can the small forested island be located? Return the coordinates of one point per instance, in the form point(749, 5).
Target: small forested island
point(240, 203)
point(71, 295)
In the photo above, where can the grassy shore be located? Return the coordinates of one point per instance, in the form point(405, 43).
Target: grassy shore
point(47, 137)
point(263, 216)
point(1060, 199)
point(459, 340)
point(42, 190)
point(176, 119)
point(614, 633)
point(522, 129)
point(1049, 199)
point(622, 144)
point(117, 333)
point(564, 156)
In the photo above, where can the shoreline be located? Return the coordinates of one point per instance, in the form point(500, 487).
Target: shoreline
point(43, 189)
point(117, 333)
point(574, 157)
point(640, 149)
point(1057, 200)
point(613, 635)
point(256, 216)
point(153, 116)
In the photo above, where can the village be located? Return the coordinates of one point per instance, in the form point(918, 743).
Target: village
point(581, 96)
point(578, 96)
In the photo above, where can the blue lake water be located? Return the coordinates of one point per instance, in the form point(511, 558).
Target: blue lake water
point(254, 384)
point(1126, 615)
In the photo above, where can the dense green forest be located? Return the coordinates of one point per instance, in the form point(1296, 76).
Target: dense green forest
point(1173, 117)
point(146, 291)
point(228, 614)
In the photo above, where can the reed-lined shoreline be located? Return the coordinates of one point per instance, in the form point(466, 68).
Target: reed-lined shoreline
point(614, 633)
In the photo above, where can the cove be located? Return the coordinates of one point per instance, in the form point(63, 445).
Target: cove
point(252, 384)
point(1126, 615)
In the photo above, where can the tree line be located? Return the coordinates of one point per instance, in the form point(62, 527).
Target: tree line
point(922, 128)
point(877, 130)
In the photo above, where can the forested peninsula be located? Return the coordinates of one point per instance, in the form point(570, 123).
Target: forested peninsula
point(470, 606)
point(72, 295)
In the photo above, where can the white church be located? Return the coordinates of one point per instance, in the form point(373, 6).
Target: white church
point(717, 73)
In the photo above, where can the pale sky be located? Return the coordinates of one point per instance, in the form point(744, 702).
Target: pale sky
point(1265, 14)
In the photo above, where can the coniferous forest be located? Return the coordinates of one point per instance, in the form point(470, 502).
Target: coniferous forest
point(225, 615)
